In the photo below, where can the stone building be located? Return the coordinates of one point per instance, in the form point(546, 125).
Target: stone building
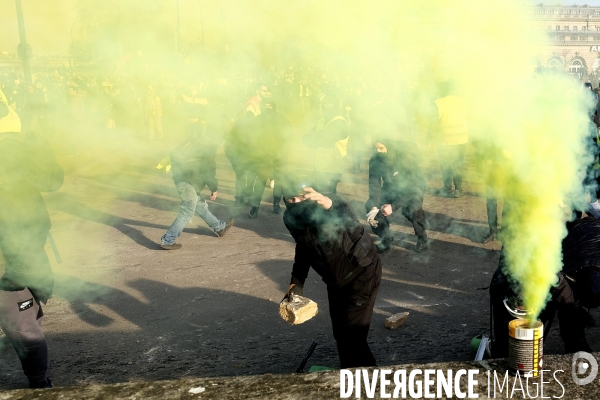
point(574, 35)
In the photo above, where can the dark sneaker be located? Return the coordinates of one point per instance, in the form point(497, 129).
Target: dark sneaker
point(385, 245)
point(458, 193)
point(47, 384)
point(253, 212)
point(223, 231)
point(277, 209)
point(444, 192)
point(174, 246)
point(422, 245)
point(490, 237)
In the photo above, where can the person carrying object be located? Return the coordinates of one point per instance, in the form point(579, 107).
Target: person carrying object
point(396, 182)
point(330, 239)
point(193, 166)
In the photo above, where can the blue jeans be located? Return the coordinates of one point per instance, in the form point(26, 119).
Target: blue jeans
point(191, 202)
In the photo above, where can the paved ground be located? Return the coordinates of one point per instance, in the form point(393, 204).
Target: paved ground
point(124, 310)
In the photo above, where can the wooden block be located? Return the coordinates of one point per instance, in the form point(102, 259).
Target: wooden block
point(396, 320)
point(300, 310)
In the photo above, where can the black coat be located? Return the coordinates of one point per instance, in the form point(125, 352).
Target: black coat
point(581, 247)
point(332, 242)
point(24, 219)
point(394, 175)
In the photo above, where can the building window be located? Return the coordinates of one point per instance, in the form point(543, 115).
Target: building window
point(555, 12)
point(596, 12)
point(596, 37)
point(574, 29)
point(548, 12)
point(574, 37)
point(558, 28)
point(555, 64)
point(583, 28)
point(583, 38)
point(583, 12)
point(575, 67)
point(566, 28)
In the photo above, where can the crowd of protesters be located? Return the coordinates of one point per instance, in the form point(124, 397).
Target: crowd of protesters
point(258, 118)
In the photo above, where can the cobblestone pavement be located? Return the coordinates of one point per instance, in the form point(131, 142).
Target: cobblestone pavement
point(124, 310)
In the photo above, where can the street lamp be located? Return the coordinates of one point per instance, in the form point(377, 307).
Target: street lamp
point(23, 49)
point(178, 32)
point(73, 45)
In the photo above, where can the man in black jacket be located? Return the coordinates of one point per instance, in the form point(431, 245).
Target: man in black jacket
point(578, 286)
point(266, 154)
point(332, 241)
point(28, 167)
point(396, 182)
point(193, 166)
point(236, 150)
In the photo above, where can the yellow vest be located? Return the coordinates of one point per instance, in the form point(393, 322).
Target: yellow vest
point(453, 125)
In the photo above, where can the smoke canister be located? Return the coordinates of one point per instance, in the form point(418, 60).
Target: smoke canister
point(525, 345)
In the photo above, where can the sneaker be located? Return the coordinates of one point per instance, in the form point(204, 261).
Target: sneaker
point(458, 193)
point(422, 245)
point(277, 209)
point(253, 212)
point(223, 231)
point(490, 237)
point(174, 246)
point(385, 244)
point(595, 205)
point(47, 384)
point(444, 192)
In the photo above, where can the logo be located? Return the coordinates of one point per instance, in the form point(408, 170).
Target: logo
point(24, 305)
point(583, 363)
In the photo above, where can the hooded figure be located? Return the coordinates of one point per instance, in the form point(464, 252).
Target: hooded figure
point(396, 182)
point(330, 239)
point(28, 167)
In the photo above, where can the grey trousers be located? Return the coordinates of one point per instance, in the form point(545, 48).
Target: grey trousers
point(21, 321)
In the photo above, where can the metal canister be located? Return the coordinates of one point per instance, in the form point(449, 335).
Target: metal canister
point(525, 346)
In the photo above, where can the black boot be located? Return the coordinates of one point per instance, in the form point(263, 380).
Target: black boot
point(385, 244)
point(422, 244)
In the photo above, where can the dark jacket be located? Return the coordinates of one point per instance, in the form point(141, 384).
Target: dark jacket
point(395, 174)
point(581, 246)
point(193, 161)
point(273, 137)
point(332, 242)
point(238, 140)
point(24, 219)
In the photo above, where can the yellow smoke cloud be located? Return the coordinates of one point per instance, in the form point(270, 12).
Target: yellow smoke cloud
point(403, 49)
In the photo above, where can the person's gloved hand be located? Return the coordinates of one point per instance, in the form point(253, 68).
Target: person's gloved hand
point(371, 217)
point(294, 290)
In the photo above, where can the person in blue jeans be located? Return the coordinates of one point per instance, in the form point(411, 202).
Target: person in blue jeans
point(194, 167)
